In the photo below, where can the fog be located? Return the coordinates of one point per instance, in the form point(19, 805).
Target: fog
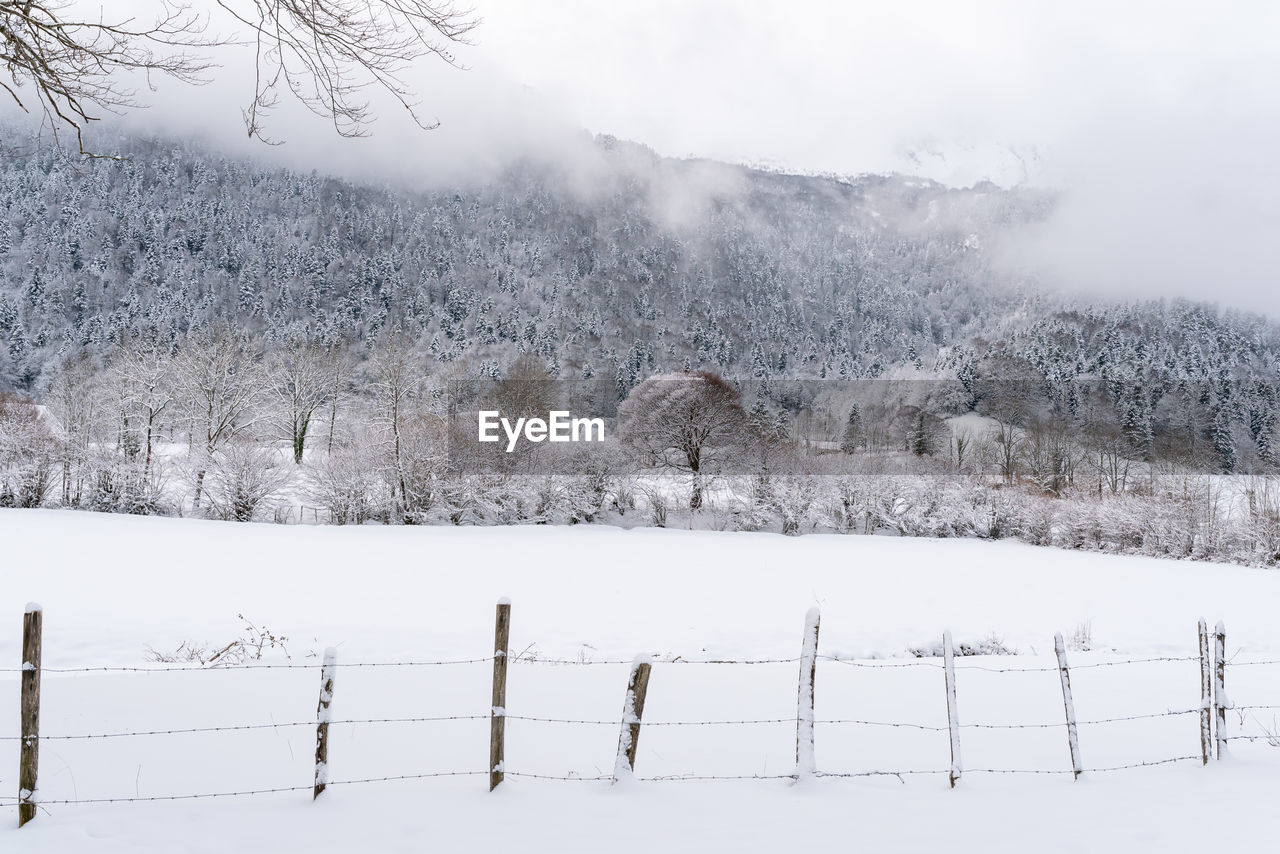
point(1153, 119)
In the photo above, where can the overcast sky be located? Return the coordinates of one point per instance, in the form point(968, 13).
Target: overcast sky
point(1158, 120)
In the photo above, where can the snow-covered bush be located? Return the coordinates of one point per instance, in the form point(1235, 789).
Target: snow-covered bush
point(241, 477)
point(1262, 521)
point(605, 479)
point(656, 497)
point(29, 451)
point(416, 461)
point(346, 483)
point(114, 484)
point(560, 499)
point(480, 499)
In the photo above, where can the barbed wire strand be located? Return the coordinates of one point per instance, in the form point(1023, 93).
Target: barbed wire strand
point(569, 662)
point(566, 662)
point(245, 727)
point(602, 722)
point(249, 792)
point(569, 778)
point(597, 778)
point(679, 778)
point(1146, 764)
point(233, 668)
point(618, 722)
point(873, 664)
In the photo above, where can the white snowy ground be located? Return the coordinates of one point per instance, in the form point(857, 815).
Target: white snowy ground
point(113, 586)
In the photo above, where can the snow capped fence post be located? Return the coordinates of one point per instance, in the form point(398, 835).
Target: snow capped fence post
point(1206, 695)
point(806, 763)
point(29, 758)
point(1220, 700)
point(498, 711)
point(327, 672)
point(953, 714)
point(632, 712)
point(1073, 737)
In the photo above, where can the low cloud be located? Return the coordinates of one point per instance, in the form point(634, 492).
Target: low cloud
point(1154, 120)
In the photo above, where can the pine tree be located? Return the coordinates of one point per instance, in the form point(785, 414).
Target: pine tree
point(1223, 444)
point(759, 418)
point(918, 440)
point(852, 439)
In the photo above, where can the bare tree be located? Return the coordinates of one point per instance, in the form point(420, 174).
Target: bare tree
point(1108, 455)
point(689, 422)
point(326, 53)
point(144, 382)
point(961, 446)
point(217, 379)
point(423, 463)
point(1048, 454)
point(396, 377)
point(73, 64)
point(1004, 441)
point(526, 391)
point(301, 381)
point(73, 400)
point(455, 388)
point(338, 373)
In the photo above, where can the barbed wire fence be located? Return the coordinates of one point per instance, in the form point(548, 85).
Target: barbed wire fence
point(1212, 712)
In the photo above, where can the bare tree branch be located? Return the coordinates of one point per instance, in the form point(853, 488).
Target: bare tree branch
point(74, 66)
point(326, 53)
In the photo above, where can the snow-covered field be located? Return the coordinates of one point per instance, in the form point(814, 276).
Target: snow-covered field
point(112, 587)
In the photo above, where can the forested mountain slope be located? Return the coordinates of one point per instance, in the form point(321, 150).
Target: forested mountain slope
point(619, 265)
point(640, 264)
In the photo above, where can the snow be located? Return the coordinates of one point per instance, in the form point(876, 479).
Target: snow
point(324, 712)
point(622, 766)
point(116, 586)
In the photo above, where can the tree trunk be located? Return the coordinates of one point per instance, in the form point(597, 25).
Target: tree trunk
point(300, 438)
point(146, 466)
point(695, 494)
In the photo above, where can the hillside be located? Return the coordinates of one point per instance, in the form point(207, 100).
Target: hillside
point(618, 266)
point(630, 262)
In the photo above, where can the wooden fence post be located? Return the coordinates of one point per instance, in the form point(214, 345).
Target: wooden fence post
point(632, 712)
point(29, 753)
point(1220, 699)
point(327, 671)
point(953, 714)
point(1073, 737)
point(806, 762)
point(498, 710)
point(1206, 695)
